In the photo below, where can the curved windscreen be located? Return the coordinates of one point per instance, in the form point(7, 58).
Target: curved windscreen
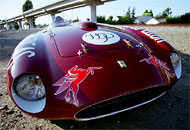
point(59, 21)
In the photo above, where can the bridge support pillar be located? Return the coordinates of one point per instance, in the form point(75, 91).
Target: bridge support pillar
point(13, 26)
point(20, 25)
point(31, 22)
point(93, 12)
point(93, 4)
point(7, 26)
point(53, 17)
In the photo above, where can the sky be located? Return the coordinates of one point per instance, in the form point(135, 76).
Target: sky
point(11, 8)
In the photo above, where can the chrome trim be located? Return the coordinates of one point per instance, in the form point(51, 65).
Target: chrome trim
point(113, 113)
point(178, 68)
point(29, 106)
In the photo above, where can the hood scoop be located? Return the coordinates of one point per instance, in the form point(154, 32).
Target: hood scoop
point(88, 26)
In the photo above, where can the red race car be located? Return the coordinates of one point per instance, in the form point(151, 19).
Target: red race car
point(84, 71)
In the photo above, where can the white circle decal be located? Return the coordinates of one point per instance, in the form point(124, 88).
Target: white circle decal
point(100, 38)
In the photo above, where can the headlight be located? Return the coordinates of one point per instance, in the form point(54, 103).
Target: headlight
point(176, 62)
point(174, 59)
point(29, 87)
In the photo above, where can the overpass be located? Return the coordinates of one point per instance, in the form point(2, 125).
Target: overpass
point(52, 9)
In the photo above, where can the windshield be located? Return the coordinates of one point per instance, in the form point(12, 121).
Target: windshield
point(59, 21)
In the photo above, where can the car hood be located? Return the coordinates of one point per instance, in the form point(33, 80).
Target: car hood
point(119, 63)
point(112, 62)
point(72, 39)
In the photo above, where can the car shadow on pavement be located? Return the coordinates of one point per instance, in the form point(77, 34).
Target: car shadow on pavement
point(168, 112)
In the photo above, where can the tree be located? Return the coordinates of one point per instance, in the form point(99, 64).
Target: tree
point(151, 13)
point(146, 13)
point(76, 20)
point(133, 12)
point(166, 13)
point(110, 20)
point(27, 5)
point(101, 19)
point(128, 14)
point(125, 20)
point(185, 19)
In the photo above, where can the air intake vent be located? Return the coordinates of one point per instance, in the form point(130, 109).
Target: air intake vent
point(122, 103)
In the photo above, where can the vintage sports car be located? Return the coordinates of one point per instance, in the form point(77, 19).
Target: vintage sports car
point(84, 71)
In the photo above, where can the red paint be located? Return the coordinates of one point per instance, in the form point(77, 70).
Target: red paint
point(155, 41)
point(155, 61)
point(71, 82)
point(56, 58)
point(87, 26)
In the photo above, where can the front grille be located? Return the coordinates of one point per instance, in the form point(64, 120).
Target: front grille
point(121, 103)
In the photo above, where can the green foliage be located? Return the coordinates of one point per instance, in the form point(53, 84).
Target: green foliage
point(185, 19)
point(151, 13)
point(26, 23)
point(10, 27)
point(165, 14)
point(173, 20)
point(148, 13)
point(101, 19)
point(27, 5)
point(133, 12)
point(128, 14)
point(34, 23)
point(122, 20)
point(16, 25)
point(45, 24)
point(110, 20)
point(125, 20)
point(76, 20)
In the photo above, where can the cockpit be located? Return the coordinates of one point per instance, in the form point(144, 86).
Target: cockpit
point(59, 21)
